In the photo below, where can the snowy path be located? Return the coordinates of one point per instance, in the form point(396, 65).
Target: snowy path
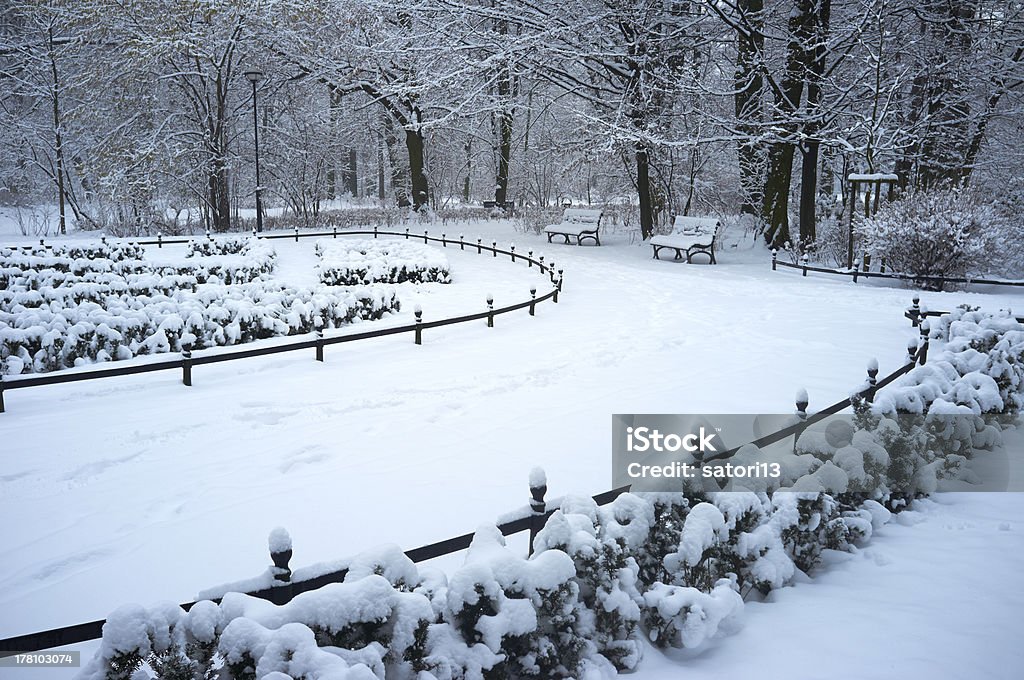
point(139, 489)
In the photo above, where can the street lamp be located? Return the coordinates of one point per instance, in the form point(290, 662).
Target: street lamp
point(255, 76)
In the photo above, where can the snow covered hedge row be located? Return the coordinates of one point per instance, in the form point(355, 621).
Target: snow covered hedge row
point(923, 430)
point(238, 260)
point(350, 262)
point(61, 333)
point(674, 569)
point(102, 302)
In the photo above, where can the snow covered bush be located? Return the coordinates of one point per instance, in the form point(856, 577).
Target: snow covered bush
point(606, 576)
point(351, 262)
point(101, 302)
point(937, 233)
point(680, 616)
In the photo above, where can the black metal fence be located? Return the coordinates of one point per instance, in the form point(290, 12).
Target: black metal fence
point(187, 361)
point(861, 269)
point(285, 589)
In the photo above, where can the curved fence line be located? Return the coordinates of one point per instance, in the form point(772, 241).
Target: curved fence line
point(187, 360)
point(856, 272)
point(532, 520)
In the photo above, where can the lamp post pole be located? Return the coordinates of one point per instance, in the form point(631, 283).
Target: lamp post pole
point(255, 77)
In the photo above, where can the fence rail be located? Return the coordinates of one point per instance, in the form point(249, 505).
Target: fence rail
point(539, 510)
point(862, 270)
point(188, 360)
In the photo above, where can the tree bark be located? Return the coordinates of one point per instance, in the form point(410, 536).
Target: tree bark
point(643, 188)
point(748, 100)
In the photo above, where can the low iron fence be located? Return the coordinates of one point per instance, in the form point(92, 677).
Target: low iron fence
point(862, 270)
point(186, 361)
point(539, 510)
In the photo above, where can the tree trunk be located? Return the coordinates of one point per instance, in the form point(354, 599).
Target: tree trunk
point(749, 104)
point(775, 205)
point(643, 188)
point(414, 144)
point(58, 141)
point(808, 191)
point(504, 156)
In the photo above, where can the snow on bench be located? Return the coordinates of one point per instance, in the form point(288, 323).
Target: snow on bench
point(583, 224)
point(690, 235)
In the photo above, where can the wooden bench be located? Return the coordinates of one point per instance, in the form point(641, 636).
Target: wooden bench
point(578, 222)
point(690, 236)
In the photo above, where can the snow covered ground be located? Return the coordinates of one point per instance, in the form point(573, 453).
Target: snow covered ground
point(138, 489)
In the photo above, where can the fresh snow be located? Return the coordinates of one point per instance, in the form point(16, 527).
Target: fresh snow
point(138, 489)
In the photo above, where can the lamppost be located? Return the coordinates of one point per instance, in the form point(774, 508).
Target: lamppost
point(255, 76)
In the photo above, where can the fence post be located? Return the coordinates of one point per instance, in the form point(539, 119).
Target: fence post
point(775, 258)
point(856, 268)
point(186, 367)
point(1, 392)
point(334, 231)
point(418, 312)
point(869, 393)
point(103, 237)
point(296, 234)
point(529, 260)
point(444, 240)
point(209, 236)
point(914, 312)
point(925, 328)
point(407, 233)
point(280, 545)
point(912, 350)
point(561, 276)
point(538, 508)
point(512, 249)
point(490, 311)
point(801, 412)
point(319, 345)
point(462, 241)
point(424, 236)
point(803, 263)
point(159, 239)
point(533, 304)
point(494, 248)
point(478, 241)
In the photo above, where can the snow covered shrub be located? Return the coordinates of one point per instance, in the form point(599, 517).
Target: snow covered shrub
point(526, 609)
point(730, 537)
point(352, 262)
point(606, 577)
point(807, 524)
point(669, 514)
point(937, 233)
point(680, 616)
point(231, 245)
point(52, 319)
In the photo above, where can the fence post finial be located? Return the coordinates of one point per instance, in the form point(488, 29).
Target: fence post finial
point(538, 506)
point(912, 350)
point(869, 393)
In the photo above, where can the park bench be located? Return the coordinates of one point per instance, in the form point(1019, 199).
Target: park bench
point(690, 236)
point(577, 222)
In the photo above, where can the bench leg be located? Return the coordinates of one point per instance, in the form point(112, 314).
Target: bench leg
point(549, 237)
point(656, 253)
